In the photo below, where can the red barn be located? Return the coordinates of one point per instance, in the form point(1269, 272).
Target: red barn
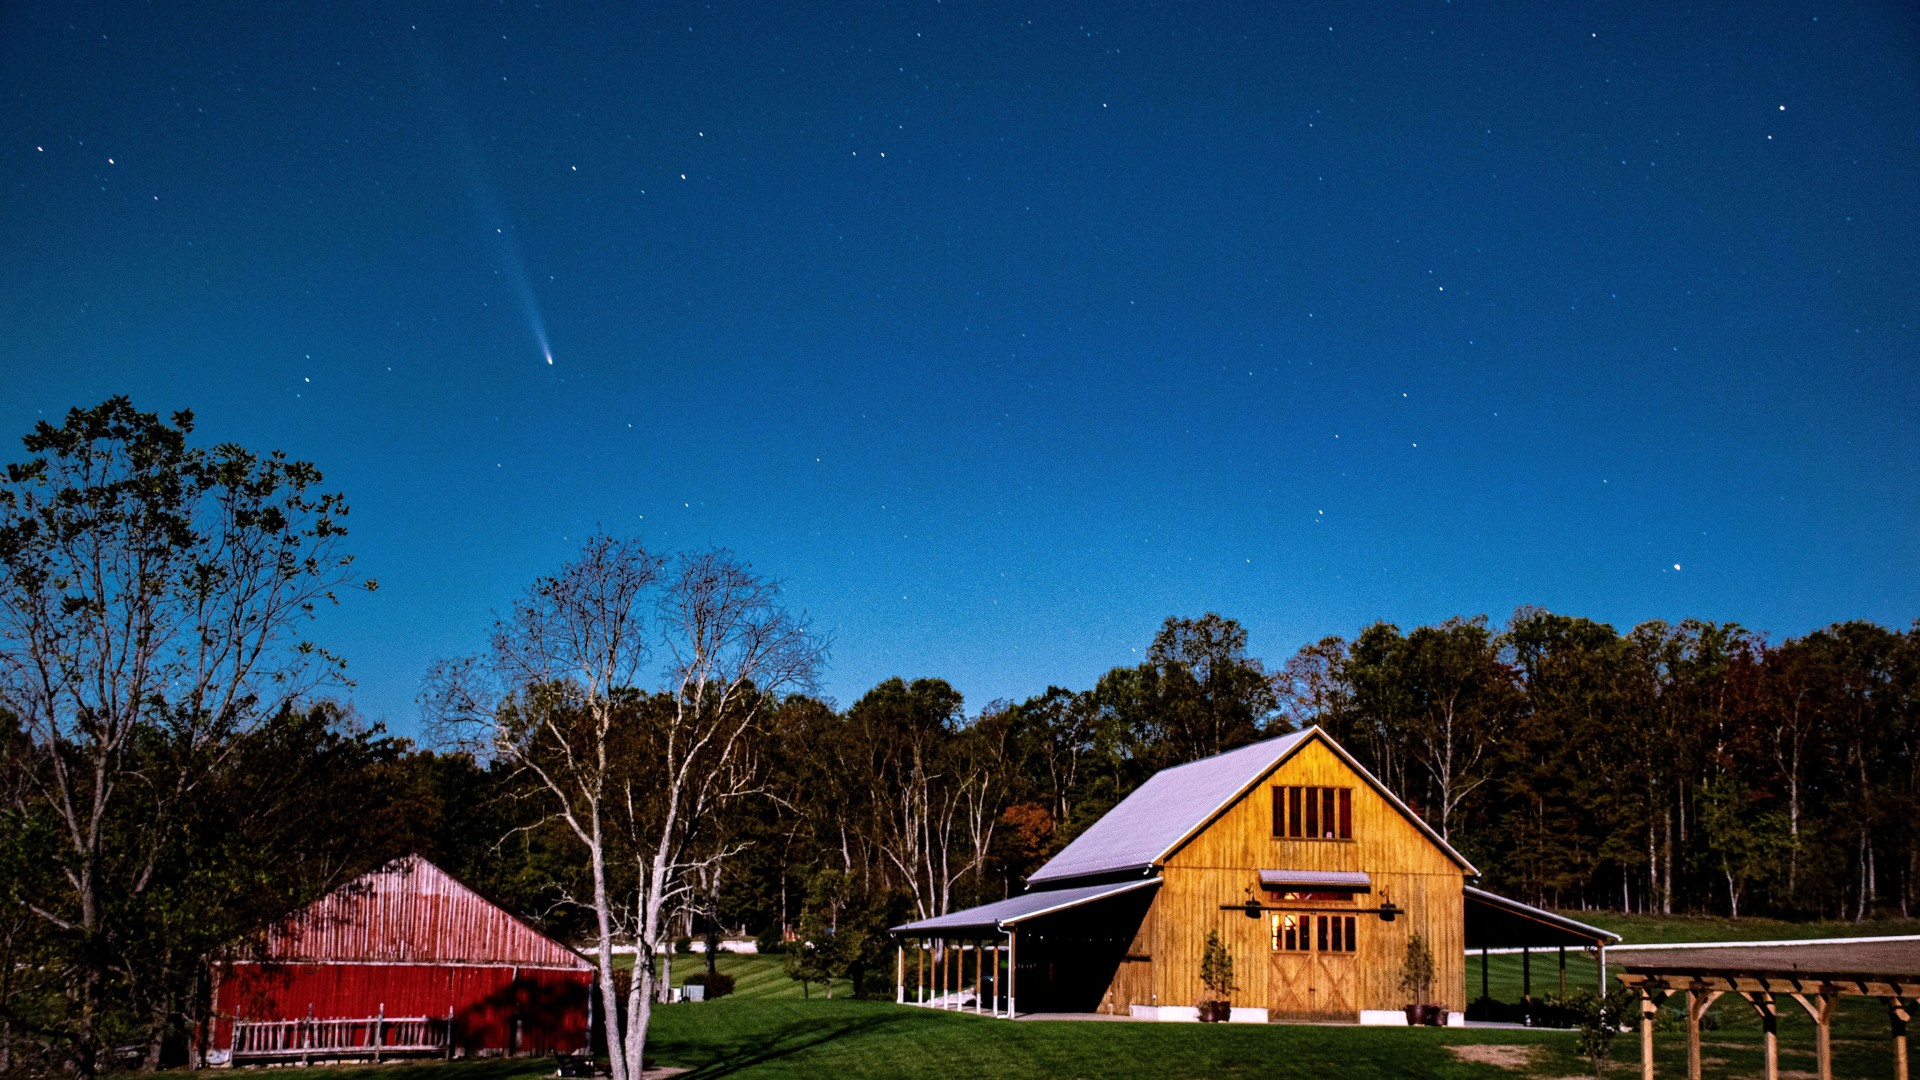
point(405, 960)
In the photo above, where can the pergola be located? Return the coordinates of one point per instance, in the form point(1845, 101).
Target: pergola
point(1814, 975)
point(1495, 922)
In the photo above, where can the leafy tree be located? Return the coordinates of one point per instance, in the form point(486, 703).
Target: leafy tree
point(151, 597)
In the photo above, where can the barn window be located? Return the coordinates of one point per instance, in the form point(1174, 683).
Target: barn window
point(1313, 813)
point(1335, 933)
point(1289, 934)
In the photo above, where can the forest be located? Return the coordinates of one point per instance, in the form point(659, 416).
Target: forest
point(638, 756)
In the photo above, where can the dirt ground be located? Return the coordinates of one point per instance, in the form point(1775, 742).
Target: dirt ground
point(1515, 1058)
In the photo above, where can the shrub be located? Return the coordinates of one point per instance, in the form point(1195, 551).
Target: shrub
point(718, 983)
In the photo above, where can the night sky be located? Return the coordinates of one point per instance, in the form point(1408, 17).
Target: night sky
point(999, 334)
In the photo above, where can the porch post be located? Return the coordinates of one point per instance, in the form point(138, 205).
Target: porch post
point(1603, 969)
point(999, 986)
point(1013, 971)
point(1484, 996)
point(1526, 983)
point(979, 980)
point(1563, 973)
point(900, 974)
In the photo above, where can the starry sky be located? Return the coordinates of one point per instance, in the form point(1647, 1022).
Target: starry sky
point(999, 333)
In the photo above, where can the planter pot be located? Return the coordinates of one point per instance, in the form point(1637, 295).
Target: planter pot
point(1434, 1015)
point(1415, 1015)
point(1215, 1012)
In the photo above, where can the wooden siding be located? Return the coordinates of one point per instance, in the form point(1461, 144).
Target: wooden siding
point(1218, 865)
point(409, 911)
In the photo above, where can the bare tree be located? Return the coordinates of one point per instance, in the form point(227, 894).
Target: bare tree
point(636, 777)
point(150, 593)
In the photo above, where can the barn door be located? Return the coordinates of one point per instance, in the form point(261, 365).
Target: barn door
point(1310, 974)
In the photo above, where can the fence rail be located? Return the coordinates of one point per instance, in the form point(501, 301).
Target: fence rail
point(350, 1037)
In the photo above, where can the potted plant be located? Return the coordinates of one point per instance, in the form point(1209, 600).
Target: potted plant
point(1216, 974)
point(1416, 979)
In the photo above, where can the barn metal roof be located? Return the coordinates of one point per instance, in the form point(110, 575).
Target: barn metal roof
point(407, 912)
point(1495, 921)
point(991, 918)
point(1174, 804)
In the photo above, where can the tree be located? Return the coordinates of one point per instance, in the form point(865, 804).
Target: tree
point(151, 594)
point(1746, 843)
point(1417, 970)
point(1216, 967)
point(636, 777)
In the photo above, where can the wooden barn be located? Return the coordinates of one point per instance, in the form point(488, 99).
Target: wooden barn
point(1312, 872)
point(405, 960)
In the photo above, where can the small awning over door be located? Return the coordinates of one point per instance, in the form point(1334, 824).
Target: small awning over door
point(1345, 881)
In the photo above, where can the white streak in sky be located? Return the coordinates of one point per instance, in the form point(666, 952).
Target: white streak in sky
point(487, 205)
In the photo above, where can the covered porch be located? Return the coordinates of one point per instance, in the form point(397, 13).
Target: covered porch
point(1499, 926)
point(1051, 951)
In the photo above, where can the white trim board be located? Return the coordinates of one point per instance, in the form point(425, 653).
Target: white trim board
point(1711, 945)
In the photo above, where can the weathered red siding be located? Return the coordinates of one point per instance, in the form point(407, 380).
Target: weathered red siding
point(406, 941)
point(411, 911)
point(549, 1006)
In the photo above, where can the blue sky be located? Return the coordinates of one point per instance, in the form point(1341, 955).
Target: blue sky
point(1000, 333)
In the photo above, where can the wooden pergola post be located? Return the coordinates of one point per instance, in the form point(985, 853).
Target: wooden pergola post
point(1822, 1015)
point(1899, 1012)
point(1484, 995)
point(1762, 1002)
point(1649, 1006)
point(920, 983)
point(1697, 1002)
point(1563, 973)
point(900, 974)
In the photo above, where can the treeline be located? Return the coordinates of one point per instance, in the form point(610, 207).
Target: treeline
point(634, 759)
point(1692, 767)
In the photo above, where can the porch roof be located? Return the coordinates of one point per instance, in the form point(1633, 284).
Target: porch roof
point(993, 918)
point(1496, 922)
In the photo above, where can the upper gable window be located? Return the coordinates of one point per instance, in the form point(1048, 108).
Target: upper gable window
point(1313, 813)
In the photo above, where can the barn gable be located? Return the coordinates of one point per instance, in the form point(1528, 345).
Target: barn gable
point(1173, 807)
point(408, 912)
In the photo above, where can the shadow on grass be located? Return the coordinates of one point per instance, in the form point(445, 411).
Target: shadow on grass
point(785, 1041)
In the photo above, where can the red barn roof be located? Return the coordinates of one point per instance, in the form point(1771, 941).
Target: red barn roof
point(407, 912)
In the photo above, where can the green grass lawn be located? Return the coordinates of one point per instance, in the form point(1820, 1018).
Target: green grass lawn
point(766, 1030)
point(768, 1037)
point(756, 978)
point(847, 1040)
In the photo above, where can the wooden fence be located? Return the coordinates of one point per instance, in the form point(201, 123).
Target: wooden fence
point(354, 1037)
